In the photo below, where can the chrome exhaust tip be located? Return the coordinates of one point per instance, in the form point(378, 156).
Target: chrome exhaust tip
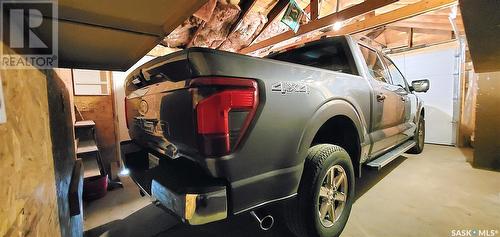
point(265, 223)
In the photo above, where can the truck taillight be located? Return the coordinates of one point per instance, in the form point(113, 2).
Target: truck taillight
point(224, 112)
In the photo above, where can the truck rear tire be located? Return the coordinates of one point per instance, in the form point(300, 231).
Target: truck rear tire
point(419, 138)
point(325, 195)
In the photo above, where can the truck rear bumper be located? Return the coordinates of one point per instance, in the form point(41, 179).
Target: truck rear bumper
point(193, 208)
point(179, 186)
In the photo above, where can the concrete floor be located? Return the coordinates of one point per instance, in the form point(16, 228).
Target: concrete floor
point(429, 194)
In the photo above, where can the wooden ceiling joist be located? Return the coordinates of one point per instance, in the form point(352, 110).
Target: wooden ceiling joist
point(375, 33)
point(356, 10)
point(420, 31)
point(424, 25)
point(399, 14)
point(314, 8)
point(430, 18)
point(410, 38)
point(415, 9)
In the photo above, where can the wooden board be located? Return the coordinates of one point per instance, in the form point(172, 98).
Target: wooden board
point(28, 205)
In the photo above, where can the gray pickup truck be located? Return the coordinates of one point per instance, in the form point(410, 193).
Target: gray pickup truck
point(220, 134)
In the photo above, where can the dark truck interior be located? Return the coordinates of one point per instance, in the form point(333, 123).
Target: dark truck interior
point(331, 54)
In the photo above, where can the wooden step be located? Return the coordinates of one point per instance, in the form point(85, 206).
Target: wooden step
point(86, 147)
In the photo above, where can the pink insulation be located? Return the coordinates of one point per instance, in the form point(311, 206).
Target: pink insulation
point(205, 12)
point(275, 28)
point(213, 33)
point(250, 26)
point(183, 34)
point(210, 25)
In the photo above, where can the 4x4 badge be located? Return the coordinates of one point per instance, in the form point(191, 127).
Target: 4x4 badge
point(288, 87)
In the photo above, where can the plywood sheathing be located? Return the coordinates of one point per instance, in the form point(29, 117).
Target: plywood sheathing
point(28, 205)
point(486, 142)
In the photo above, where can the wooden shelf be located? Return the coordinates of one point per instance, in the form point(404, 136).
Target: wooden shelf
point(90, 167)
point(84, 123)
point(86, 147)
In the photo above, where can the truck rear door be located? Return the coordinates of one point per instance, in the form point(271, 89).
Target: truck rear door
point(388, 109)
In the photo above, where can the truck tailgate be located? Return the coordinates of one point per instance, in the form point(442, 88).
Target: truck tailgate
point(177, 109)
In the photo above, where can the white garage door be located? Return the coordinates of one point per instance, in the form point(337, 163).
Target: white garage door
point(440, 65)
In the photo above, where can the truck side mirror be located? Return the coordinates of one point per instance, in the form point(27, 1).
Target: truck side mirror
point(420, 85)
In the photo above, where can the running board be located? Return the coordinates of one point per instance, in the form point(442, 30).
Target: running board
point(391, 155)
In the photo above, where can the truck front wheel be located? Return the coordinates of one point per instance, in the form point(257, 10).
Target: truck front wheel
point(419, 138)
point(325, 195)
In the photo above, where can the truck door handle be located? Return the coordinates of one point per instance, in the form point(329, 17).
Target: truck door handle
point(381, 97)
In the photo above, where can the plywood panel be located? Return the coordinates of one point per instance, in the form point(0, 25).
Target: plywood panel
point(487, 144)
point(28, 205)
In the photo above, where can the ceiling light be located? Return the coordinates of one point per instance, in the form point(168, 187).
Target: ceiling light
point(337, 25)
point(453, 13)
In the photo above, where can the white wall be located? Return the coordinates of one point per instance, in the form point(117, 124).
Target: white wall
point(119, 89)
point(439, 64)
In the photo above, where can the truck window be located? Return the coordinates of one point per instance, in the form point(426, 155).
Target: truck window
point(397, 78)
point(375, 65)
point(332, 54)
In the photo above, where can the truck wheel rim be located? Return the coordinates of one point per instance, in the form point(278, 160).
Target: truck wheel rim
point(332, 195)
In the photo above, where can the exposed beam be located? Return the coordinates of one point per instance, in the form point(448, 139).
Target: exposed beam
point(399, 14)
point(245, 6)
point(432, 18)
point(419, 31)
point(272, 15)
point(410, 38)
point(358, 9)
point(375, 33)
point(367, 15)
point(314, 8)
point(423, 25)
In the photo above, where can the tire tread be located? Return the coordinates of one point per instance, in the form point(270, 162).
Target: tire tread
point(313, 165)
